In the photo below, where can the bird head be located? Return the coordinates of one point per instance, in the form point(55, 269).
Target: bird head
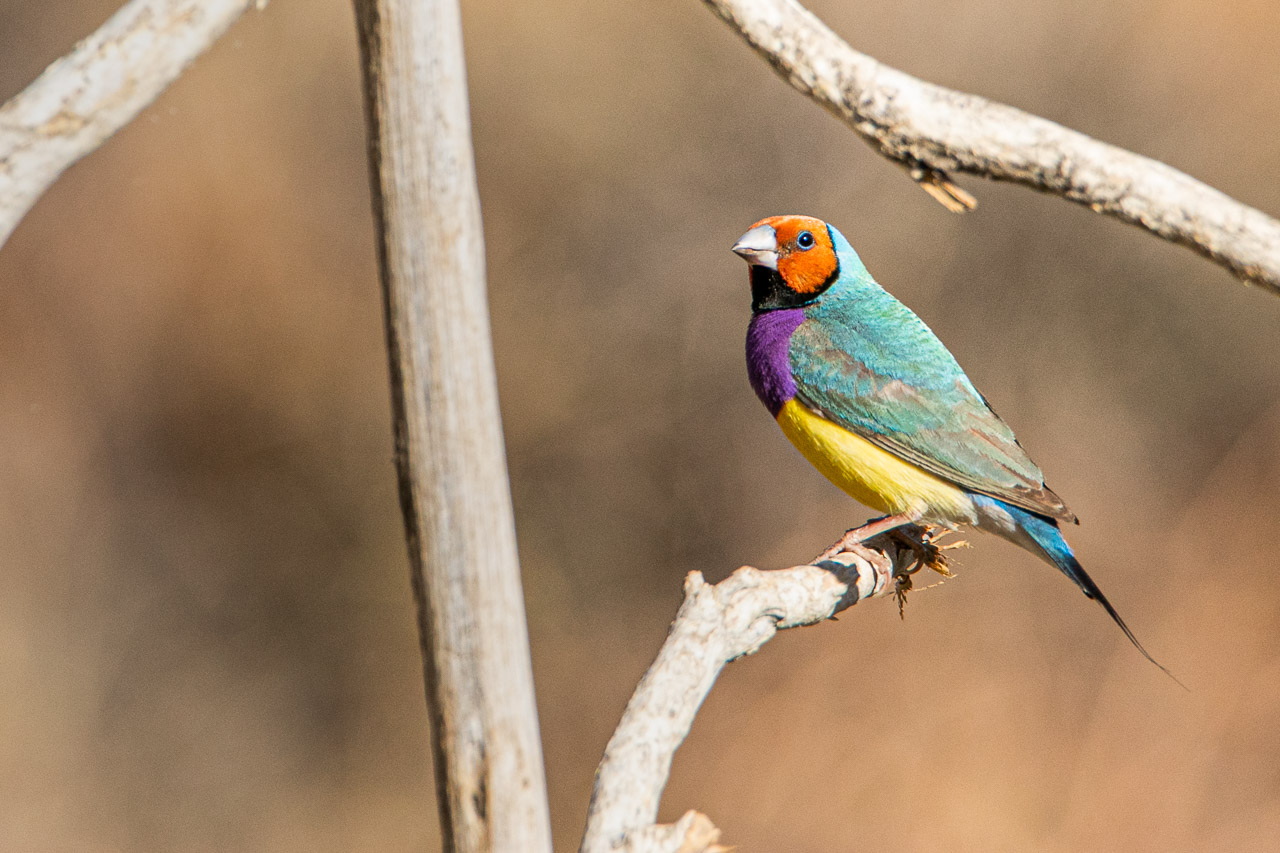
point(792, 260)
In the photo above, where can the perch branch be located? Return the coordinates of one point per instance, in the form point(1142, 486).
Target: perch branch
point(97, 88)
point(931, 130)
point(714, 626)
point(450, 459)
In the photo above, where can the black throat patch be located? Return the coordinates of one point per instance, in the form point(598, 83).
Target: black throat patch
point(769, 292)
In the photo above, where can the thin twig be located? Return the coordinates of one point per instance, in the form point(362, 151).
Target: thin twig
point(96, 89)
point(931, 131)
point(714, 626)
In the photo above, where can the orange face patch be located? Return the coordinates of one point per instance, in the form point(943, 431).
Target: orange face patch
point(806, 257)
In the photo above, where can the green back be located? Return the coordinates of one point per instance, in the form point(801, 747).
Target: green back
point(867, 362)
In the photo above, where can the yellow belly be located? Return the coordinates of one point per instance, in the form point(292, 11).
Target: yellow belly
point(869, 475)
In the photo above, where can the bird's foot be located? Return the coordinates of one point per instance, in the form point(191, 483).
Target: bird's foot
point(922, 542)
point(858, 535)
point(847, 542)
point(925, 553)
point(917, 543)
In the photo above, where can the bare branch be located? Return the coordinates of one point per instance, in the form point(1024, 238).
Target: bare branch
point(931, 131)
point(449, 451)
point(87, 95)
point(714, 626)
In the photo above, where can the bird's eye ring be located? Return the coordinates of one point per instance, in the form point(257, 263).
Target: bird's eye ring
point(804, 240)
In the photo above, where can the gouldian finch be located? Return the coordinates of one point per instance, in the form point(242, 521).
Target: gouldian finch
point(871, 397)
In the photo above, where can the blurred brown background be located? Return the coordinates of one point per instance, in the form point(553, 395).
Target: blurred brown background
point(206, 636)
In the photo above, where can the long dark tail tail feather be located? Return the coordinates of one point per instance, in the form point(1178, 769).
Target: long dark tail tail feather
point(1051, 542)
point(1071, 567)
point(1048, 538)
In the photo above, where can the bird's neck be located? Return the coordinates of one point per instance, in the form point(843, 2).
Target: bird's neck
point(769, 358)
point(769, 292)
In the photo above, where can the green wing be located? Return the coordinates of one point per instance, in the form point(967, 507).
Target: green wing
point(871, 365)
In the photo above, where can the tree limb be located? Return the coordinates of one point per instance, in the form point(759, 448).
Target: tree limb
point(714, 626)
point(931, 130)
point(450, 459)
point(96, 89)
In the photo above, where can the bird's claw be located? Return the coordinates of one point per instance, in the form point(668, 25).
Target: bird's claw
point(922, 543)
point(900, 590)
point(848, 542)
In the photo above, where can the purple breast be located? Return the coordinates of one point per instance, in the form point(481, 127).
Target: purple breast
point(768, 360)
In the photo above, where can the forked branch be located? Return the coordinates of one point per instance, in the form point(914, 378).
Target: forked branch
point(931, 131)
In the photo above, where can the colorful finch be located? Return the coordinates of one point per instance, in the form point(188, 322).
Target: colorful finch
point(871, 397)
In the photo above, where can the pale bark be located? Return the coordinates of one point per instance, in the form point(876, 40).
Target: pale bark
point(931, 130)
point(714, 626)
point(86, 96)
point(449, 450)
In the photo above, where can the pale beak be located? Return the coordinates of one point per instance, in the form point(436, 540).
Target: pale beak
point(759, 247)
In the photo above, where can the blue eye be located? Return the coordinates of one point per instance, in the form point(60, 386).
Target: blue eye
point(804, 240)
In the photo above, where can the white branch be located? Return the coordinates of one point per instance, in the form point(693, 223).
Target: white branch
point(714, 626)
point(932, 130)
point(450, 457)
point(86, 96)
